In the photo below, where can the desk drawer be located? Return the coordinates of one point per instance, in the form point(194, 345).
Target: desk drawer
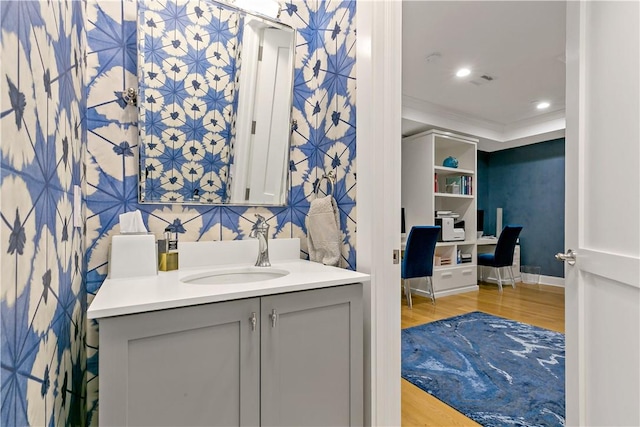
point(454, 277)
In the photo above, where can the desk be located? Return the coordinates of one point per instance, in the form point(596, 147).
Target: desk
point(486, 244)
point(451, 278)
point(485, 240)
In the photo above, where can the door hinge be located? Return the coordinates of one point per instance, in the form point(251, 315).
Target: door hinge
point(260, 53)
point(246, 193)
point(396, 256)
point(253, 127)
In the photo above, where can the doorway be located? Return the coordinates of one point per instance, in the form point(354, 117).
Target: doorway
point(481, 105)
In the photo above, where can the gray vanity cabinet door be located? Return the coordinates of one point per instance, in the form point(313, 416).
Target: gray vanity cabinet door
point(312, 358)
point(193, 366)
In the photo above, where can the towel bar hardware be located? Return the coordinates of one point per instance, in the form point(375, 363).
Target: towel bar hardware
point(331, 182)
point(130, 96)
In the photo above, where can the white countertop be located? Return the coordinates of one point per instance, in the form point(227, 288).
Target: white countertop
point(118, 297)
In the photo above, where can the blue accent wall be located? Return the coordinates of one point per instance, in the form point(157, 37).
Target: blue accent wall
point(528, 184)
point(482, 191)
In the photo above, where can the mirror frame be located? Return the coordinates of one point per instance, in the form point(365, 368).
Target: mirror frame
point(232, 144)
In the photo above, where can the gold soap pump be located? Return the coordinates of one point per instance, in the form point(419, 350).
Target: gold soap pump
point(168, 250)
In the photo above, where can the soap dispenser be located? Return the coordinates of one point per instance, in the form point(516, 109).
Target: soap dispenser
point(168, 251)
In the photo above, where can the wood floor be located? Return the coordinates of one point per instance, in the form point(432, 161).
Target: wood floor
point(541, 306)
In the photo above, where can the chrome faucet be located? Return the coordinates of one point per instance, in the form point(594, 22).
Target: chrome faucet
point(261, 232)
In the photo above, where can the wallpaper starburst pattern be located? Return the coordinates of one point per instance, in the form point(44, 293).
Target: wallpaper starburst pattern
point(323, 140)
point(64, 124)
point(190, 54)
point(43, 298)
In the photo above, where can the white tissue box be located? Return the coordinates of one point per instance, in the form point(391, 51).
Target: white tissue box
point(133, 255)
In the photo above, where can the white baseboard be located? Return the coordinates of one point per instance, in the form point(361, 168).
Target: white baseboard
point(544, 280)
point(445, 292)
point(552, 281)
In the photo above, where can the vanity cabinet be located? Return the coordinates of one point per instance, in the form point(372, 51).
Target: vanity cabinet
point(288, 359)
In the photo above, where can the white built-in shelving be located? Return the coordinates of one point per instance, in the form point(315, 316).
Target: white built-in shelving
point(425, 191)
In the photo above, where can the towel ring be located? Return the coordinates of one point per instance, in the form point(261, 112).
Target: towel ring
point(331, 180)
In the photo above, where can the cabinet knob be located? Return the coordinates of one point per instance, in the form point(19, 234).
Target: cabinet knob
point(254, 320)
point(274, 317)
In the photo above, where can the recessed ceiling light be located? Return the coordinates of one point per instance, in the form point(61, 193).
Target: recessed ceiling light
point(463, 72)
point(542, 105)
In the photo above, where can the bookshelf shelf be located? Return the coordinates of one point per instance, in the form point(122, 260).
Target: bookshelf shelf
point(455, 196)
point(452, 171)
point(424, 185)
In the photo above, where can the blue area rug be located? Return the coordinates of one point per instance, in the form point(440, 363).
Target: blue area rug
point(495, 371)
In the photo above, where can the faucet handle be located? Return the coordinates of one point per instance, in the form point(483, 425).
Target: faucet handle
point(261, 223)
point(260, 226)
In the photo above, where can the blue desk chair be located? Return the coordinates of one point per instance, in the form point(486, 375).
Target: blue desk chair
point(418, 257)
point(503, 255)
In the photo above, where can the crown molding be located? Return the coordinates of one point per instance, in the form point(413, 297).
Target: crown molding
point(431, 114)
point(421, 115)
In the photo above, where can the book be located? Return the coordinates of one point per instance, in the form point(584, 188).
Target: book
point(453, 184)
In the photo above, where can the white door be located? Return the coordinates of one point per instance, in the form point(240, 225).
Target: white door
point(270, 141)
point(602, 213)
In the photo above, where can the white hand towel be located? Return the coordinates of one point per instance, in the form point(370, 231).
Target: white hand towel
point(323, 231)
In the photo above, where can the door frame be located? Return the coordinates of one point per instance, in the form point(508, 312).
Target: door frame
point(574, 298)
point(378, 118)
point(379, 76)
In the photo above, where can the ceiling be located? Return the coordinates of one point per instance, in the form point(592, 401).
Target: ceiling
point(518, 44)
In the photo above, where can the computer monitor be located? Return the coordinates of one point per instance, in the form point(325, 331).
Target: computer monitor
point(480, 220)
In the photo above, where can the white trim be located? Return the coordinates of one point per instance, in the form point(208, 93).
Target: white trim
point(544, 280)
point(431, 114)
point(621, 268)
point(446, 293)
point(552, 281)
point(491, 146)
point(575, 371)
point(379, 77)
point(493, 136)
point(550, 122)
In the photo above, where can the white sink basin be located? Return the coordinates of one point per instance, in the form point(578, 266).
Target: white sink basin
point(233, 276)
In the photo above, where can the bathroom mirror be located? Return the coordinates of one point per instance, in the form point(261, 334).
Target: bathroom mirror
point(214, 103)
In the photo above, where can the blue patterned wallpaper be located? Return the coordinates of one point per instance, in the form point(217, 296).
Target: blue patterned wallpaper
point(324, 140)
point(43, 297)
